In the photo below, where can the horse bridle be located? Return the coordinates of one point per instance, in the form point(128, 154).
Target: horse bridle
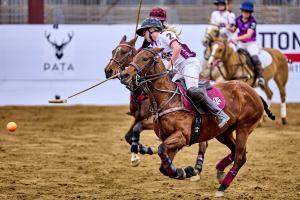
point(208, 37)
point(239, 64)
point(140, 80)
point(121, 62)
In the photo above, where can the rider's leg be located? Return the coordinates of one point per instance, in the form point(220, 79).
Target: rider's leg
point(199, 96)
point(197, 91)
point(253, 50)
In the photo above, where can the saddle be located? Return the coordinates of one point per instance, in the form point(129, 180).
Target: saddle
point(214, 93)
point(264, 57)
point(249, 62)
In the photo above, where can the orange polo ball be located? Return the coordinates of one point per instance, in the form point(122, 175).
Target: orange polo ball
point(11, 126)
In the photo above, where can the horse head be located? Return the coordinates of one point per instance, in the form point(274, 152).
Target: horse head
point(212, 34)
point(143, 66)
point(122, 55)
point(218, 50)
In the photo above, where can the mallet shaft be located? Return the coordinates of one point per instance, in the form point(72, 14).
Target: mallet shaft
point(65, 100)
point(112, 77)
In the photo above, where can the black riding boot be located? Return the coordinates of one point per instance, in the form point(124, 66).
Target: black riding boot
point(199, 97)
point(258, 70)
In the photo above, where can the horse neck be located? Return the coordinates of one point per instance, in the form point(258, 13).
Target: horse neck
point(230, 59)
point(163, 83)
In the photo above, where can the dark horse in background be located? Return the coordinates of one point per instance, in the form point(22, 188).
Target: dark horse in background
point(122, 56)
point(174, 127)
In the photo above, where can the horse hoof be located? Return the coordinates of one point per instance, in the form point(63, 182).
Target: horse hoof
point(135, 160)
point(284, 122)
point(220, 176)
point(135, 163)
point(219, 194)
point(195, 178)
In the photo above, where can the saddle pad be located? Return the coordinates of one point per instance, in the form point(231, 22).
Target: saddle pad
point(184, 99)
point(216, 95)
point(213, 93)
point(265, 58)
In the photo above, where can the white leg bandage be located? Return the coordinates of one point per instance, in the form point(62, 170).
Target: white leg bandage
point(283, 110)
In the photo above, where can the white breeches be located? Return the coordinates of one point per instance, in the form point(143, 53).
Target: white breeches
point(251, 47)
point(189, 70)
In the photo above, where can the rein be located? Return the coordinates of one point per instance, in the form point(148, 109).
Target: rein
point(140, 82)
point(236, 65)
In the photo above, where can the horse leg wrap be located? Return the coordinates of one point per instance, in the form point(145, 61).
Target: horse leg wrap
point(163, 171)
point(135, 141)
point(190, 171)
point(145, 150)
point(224, 162)
point(181, 174)
point(199, 163)
point(128, 138)
point(228, 179)
point(166, 163)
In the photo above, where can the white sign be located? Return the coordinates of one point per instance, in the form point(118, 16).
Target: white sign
point(38, 62)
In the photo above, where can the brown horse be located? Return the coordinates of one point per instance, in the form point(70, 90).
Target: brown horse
point(238, 66)
point(174, 125)
point(122, 55)
point(212, 34)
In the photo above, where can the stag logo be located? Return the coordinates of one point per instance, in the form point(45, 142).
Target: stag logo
point(59, 47)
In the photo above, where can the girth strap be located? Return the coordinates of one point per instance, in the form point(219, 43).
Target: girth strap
point(170, 110)
point(196, 130)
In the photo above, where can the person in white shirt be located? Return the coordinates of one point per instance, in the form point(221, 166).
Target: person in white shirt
point(223, 18)
point(177, 55)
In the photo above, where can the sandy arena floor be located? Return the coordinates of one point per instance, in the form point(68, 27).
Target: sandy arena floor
point(79, 153)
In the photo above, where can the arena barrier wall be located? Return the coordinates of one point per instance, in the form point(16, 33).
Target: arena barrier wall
point(39, 62)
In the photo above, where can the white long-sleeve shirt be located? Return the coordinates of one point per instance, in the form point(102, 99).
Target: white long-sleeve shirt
point(222, 19)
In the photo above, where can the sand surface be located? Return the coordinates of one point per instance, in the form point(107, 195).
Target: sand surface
point(79, 152)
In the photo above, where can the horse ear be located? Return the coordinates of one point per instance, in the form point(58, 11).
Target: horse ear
point(133, 41)
point(158, 50)
point(123, 39)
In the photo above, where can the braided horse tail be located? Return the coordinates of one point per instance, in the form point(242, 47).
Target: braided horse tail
point(267, 110)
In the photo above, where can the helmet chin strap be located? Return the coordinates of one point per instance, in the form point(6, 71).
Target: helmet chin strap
point(150, 35)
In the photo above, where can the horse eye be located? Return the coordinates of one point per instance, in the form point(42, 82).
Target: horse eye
point(220, 50)
point(145, 59)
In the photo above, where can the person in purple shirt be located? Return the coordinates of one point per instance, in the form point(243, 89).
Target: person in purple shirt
point(246, 39)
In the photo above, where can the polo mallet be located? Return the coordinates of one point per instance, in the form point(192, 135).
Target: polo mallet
point(138, 17)
point(66, 100)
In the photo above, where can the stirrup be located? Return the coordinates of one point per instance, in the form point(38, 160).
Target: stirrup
point(222, 120)
point(261, 82)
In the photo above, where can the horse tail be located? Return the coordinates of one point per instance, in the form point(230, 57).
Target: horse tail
point(267, 110)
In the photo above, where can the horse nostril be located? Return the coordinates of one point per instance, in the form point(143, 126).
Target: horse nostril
point(108, 73)
point(124, 76)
